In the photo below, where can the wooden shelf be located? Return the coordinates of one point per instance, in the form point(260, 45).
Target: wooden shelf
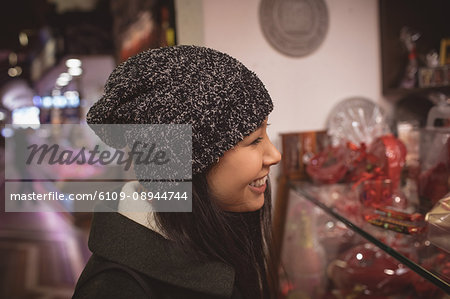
point(430, 18)
point(403, 92)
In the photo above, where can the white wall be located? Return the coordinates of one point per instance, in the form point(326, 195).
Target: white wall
point(304, 90)
point(189, 22)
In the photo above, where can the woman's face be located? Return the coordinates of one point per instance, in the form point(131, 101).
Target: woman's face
point(239, 179)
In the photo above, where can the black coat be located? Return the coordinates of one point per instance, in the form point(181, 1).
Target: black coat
point(165, 269)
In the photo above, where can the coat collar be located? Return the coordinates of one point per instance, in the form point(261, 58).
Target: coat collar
point(119, 239)
point(139, 211)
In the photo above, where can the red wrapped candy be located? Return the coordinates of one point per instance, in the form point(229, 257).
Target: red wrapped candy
point(393, 151)
point(328, 166)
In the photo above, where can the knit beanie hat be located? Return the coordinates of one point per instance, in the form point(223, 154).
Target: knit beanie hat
point(215, 93)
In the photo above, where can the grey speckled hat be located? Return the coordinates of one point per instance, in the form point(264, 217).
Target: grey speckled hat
point(215, 93)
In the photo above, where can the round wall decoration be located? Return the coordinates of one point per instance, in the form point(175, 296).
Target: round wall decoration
point(294, 27)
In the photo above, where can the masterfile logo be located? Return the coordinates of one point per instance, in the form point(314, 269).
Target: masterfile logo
point(75, 165)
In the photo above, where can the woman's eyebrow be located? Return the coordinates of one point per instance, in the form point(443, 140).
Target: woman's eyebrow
point(264, 124)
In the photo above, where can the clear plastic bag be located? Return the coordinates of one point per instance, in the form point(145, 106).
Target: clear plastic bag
point(357, 120)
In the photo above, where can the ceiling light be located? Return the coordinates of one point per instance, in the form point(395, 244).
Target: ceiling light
point(61, 82)
point(71, 94)
point(12, 57)
point(15, 71)
point(75, 71)
point(65, 76)
point(47, 102)
point(73, 63)
point(12, 72)
point(23, 39)
point(18, 70)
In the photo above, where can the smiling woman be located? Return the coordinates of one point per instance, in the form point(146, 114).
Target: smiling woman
point(223, 248)
point(238, 181)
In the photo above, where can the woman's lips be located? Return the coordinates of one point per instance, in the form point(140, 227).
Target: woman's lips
point(259, 189)
point(259, 185)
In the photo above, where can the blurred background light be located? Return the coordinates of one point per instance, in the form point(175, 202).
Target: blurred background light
point(75, 71)
point(59, 102)
point(26, 116)
point(23, 39)
point(12, 58)
point(37, 101)
point(47, 102)
point(62, 82)
point(65, 76)
point(73, 63)
point(7, 132)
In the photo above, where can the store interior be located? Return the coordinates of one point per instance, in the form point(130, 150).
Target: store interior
point(361, 93)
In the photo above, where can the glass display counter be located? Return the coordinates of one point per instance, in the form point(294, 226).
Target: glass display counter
point(328, 249)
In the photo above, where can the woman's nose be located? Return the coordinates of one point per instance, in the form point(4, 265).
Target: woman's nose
point(272, 155)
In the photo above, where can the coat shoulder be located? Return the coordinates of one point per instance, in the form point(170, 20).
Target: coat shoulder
point(113, 283)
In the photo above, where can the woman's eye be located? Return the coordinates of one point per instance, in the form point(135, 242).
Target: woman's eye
point(257, 140)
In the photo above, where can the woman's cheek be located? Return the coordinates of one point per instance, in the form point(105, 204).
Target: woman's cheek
point(253, 161)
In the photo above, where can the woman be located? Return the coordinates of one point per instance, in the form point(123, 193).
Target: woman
point(223, 248)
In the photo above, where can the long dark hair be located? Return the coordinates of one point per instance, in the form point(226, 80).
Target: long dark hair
point(242, 240)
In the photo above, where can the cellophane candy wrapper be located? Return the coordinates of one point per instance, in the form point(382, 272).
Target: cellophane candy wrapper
point(365, 270)
point(439, 224)
point(384, 159)
point(341, 163)
point(353, 125)
point(435, 165)
point(392, 152)
point(356, 120)
point(329, 166)
point(362, 146)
